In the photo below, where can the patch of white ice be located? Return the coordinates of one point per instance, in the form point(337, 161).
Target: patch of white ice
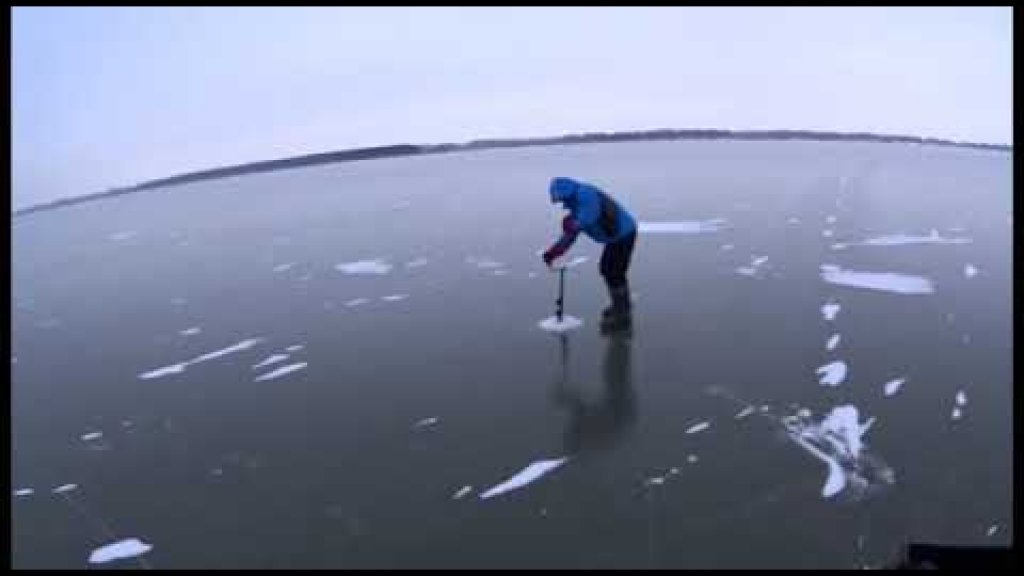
point(970, 271)
point(698, 427)
point(745, 412)
point(883, 281)
point(900, 239)
point(892, 386)
point(24, 492)
point(462, 492)
point(681, 227)
point(838, 441)
point(832, 342)
point(395, 297)
point(525, 476)
point(357, 302)
point(829, 310)
point(274, 358)
point(426, 422)
point(64, 488)
point(832, 374)
point(127, 548)
point(282, 371)
point(92, 436)
point(190, 331)
point(377, 266)
point(551, 324)
point(282, 267)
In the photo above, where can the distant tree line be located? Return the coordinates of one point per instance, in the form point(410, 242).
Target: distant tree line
point(590, 137)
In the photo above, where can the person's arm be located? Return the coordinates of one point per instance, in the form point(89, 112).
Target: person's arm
point(570, 230)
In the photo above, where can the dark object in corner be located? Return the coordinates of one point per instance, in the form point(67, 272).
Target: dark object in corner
point(934, 557)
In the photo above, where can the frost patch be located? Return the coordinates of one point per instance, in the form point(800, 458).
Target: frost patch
point(832, 374)
point(882, 281)
point(364, 267)
point(525, 476)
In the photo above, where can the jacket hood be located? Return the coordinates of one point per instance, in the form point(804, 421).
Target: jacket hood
point(563, 189)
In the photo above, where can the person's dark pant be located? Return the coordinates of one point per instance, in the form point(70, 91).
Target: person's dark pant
point(614, 265)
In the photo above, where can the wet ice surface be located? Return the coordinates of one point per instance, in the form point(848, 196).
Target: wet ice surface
point(127, 548)
point(416, 263)
point(282, 371)
point(468, 347)
point(485, 263)
point(833, 373)
point(882, 281)
point(364, 267)
point(681, 227)
point(120, 236)
point(551, 324)
point(180, 367)
point(892, 386)
point(527, 475)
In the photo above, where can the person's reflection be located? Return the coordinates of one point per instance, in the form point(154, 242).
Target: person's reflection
point(597, 425)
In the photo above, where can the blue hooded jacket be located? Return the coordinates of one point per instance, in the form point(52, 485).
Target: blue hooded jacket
point(593, 211)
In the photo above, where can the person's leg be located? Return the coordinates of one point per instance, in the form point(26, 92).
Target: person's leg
point(620, 283)
point(606, 273)
point(614, 264)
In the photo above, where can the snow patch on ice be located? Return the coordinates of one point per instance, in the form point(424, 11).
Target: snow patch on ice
point(551, 324)
point(377, 266)
point(698, 427)
point(127, 548)
point(832, 374)
point(681, 227)
point(892, 386)
point(282, 371)
point(882, 281)
point(525, 476)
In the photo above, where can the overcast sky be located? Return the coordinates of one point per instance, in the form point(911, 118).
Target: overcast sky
point(105, 97)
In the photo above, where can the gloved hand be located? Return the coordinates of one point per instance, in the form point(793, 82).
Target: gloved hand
point(548, 256)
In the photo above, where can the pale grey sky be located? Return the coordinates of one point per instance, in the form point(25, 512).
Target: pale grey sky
point(105, 97)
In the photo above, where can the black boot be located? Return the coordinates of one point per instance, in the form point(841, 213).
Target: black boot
point(619, 314)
